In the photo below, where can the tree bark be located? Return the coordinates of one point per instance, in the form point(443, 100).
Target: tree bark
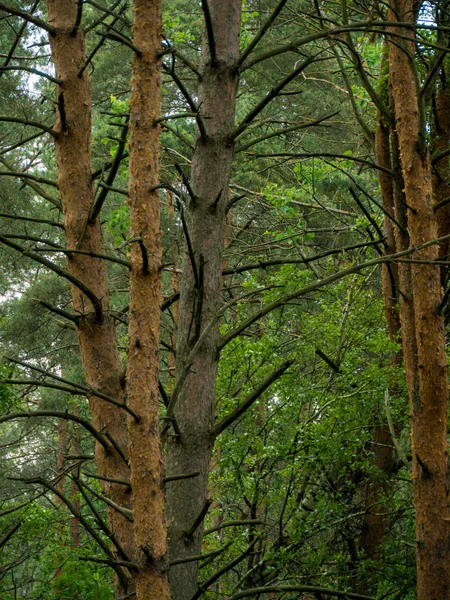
point(95, 328)
point(144, 314)
point(441, 188)
point(205, 216)
point(375, 522)
point(426, 370)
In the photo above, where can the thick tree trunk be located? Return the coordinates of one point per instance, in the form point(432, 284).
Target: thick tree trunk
point(205, 216)
point(95, 329)
point(428, 382)
point(144, 314)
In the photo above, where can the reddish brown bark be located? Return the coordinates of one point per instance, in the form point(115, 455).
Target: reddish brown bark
point(441, 188)
point(144, 314)
point(95, 329)
point(200, 296)
point(375, 522)
point(426, 370)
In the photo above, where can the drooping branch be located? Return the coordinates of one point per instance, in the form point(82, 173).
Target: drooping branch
point(30, 176)
point(250, 400)
point(117, 37)
point(31, 220)
point(75, 388)
point(18, 36)
point(330, 362)
point(34, 72)
point(28, 123)
point(128, 514)
point(60, 415)
point(102, 524)
point(57, 311)
point(212, 554)
point(27, 16)
point(21, 143)
point(32, 182)
point(109, 479)
point(84, 522)
point(96, 302)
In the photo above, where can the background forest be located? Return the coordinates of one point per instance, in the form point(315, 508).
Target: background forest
point(290, 336)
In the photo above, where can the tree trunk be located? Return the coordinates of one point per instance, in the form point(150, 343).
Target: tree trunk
point(144, 314)
point(95, 328)
point(205, 217)
point(441, 187)
point(375, 522)
point(427, 378)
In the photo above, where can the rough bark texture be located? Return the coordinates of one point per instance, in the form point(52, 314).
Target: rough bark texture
point(428, 383)
point(441, 188)
point(375, 522)
point(200, 293)
point(95, 330)
point(144, 314)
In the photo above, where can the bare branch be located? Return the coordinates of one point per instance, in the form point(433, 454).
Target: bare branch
point(26, 16)
point(356, 159)
point(182, 476)
point(250, 400)
point(316, 285)
point(270, 96)
point(261, 33)
point(75, 388)
point(282, 589)
point(60, 415)
point(203, 587)
point(292, 261)
point(285, 130)
point(128, 514)
point(10, 533)
point(96, 303)
point(58, 311)
point(210, 32)
point(240, 523)
point(85, 523)
point(30, 124)
point(34, 71)
point(21, 143)
point(200, 518)
point(98, 203)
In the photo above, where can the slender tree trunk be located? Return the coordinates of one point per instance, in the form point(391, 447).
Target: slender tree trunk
point(441, 187)
point(375, 522)
point(205, 216)
point(428, 377)
point(95, 329)
point(144, 314)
